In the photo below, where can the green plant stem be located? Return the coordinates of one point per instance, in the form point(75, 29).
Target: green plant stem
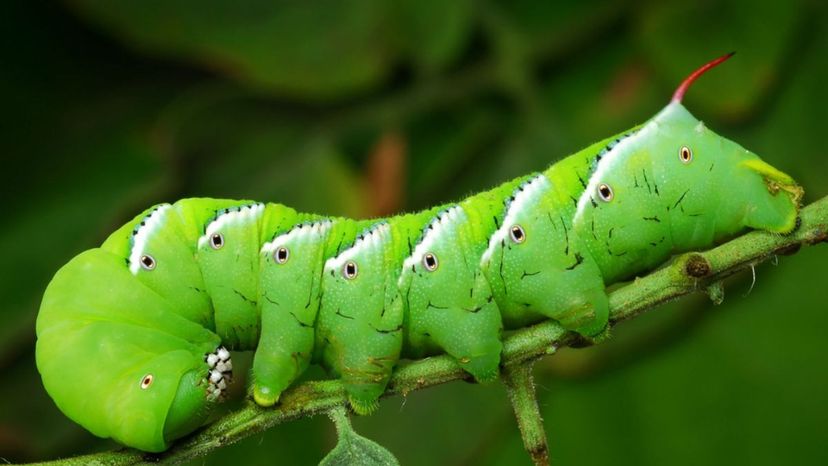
point(687, 274)
point(521, 389)
point(339, 416)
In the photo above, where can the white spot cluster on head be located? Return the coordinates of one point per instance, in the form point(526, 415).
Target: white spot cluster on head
point(435, 229)
point(219, 372)
point(241, 215)
point(142, 234)
point(700, 127)
point(372, 239)
point(301, 231)
point(525, 197)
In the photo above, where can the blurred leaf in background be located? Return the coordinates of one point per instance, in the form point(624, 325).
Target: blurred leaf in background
point(368, 107)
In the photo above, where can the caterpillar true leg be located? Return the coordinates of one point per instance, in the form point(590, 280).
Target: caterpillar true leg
point(219, 372)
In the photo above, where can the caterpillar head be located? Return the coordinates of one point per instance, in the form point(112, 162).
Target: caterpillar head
point(141, 378)
point(197, 391)
point(164, 400)
point(145, 405)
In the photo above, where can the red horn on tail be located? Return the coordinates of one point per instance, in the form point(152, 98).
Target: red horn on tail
point(679, 94)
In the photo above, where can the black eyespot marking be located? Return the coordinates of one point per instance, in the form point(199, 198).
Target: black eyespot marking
point(349, 270)
point(217, 241)
point(430, 262)
point(605, 192)
point(281, 255)
point(685, 155)
point(517, 234)
point(147, 262)
point(146, 381)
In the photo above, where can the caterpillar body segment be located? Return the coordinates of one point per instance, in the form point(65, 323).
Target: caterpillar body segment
point(531, 255)
point(134, 336)
point(288, 316)
point(359, 329)
point(450, 304)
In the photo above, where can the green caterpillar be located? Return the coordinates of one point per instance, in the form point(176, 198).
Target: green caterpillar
point(134, 336)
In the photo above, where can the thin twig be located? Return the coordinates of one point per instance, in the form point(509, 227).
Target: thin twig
point(520, 386)
point(688, 273)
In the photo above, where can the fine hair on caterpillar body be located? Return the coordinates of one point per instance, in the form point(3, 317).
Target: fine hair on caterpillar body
point(148, 320)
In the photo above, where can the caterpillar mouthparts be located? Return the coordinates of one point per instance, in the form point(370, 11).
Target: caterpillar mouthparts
point(220, 372)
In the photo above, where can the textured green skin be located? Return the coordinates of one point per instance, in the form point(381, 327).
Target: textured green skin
point(119, 325)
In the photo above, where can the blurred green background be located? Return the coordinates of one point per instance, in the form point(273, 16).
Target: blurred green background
point(371, 107)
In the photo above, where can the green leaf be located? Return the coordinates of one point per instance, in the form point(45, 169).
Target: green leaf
point(237, 150)
point(352, 448)
point(304, 49)
point(680, 37)
point(432, 32)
